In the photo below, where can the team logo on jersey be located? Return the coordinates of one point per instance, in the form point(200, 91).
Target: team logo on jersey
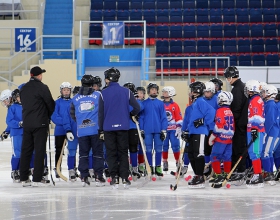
point(169, 115)
point(86, 106)
point(87, 123)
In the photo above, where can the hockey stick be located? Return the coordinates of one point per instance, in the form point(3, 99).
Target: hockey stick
point(180, 167)
point(50, 155)
point(232, 170)
point(58, 165)
point(148, 168)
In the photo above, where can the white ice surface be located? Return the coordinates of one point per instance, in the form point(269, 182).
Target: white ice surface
point(154, 201)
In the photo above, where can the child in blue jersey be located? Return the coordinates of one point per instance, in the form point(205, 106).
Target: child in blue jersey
point(61, 105)
point(84, 110)
point(271, 133)
point(276, 153)
point(198, 128)
point(6, 101)
point(153, 124)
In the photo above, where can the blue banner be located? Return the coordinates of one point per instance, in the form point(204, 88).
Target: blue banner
point(23, 37)
point(113, 33)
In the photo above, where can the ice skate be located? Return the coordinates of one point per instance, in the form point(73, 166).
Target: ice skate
point(91, 175)
point(158, 172)
point(72, 175)
point(165, 166)
point(255, 182)
point(85, 181)
point(46, 173)
point(212, 179)
point(208, 172)
point(135, 174)
point(277, 175)
point(269, 178)
point(26, 183)
point(115, 182)
point(107, 173)
point(56, 174)
point(218, 181)
point(15, 176)
point(76, 172)
point(44, 182)
point(197, 182)
point(126, 183)
point(237, 179)
point(99, 181)
point(141, 169)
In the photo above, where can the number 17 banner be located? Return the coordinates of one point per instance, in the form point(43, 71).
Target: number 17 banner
point(113, 33)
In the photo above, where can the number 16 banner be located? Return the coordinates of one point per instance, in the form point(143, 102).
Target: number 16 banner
point(23, 37)
point(113, 33)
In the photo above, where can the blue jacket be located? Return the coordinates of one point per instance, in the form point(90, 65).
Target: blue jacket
point(186, 119)
point(13, 118)
point(153, 117)
point(68, 123)
point(278, 107)
point(61, 106)
point(271, 123)
point(114, 112)
point(132, 124)
point(201, 110)
point(84, 109)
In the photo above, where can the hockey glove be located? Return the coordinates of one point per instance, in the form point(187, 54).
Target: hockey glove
point(198, 122)
point(162, 135)
point(178, 132)
point(211, 139)
point(101, 135)
point(143, 134)
point(254, 134)
point(185, 136)
point(70, 136)
point(20, 124)
point(4, 135)
point(134, 118)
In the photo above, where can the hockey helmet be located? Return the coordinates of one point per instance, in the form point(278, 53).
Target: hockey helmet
point(76, 90)
point(87, 81)
point(152, 85)
point(252, 86)
point(6, 97)
point(218, 83)
point(197, 87)
point(140, 88)
point(224, 98)
point(231, 72)
point(112, 74)
point(130, 86)
point(209, 87)
point(271, 91)
point(170, 90)
point(15, 94)
point(97, 80)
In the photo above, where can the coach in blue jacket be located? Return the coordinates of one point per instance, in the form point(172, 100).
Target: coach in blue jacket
point(113, 118)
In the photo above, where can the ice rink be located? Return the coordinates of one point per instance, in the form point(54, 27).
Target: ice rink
point(68, 200)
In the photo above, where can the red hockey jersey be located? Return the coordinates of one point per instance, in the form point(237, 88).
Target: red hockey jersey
point(256, 114)
point(173, 114)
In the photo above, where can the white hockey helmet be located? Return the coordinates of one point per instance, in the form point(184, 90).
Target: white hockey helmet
point(224, 98)
point(263, 86)
point(209, 87)
point(170, 90)
point(252, 86)
point(271, 91)
point(6, 97)
point(65, 85)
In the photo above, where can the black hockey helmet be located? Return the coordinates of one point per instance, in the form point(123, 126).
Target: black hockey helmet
point(87, 80)
point(152, 85)
point(112, 74)
point(76, 90)
point(130, 86)
point(197, 87)
point(231, 71)
point(15, 94)
point(97, 80)
point(141, 88)
point(217, 82)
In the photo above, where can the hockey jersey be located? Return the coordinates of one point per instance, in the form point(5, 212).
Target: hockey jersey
point(256, 117)
point(271, 118)
point(187, 115)
point(13, 118)
point(224, 125)
point(278, 107)
point(212, 101)
point(173, 114)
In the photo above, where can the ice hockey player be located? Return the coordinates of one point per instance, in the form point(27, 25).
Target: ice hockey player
point(84, 110)
point(113, 119)
point(6, 101)
point(202, 116)
point(153, 124)
point(276, 153)
point(255, 131)
point(218, 85)
point(174, 118)
point(61, 106)
point(97, 83)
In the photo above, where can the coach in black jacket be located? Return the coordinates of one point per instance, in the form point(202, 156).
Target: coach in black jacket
point(239, 108)
point(37, 108)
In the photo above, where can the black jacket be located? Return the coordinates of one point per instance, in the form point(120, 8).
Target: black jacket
point(239, 105)
point(37, 104)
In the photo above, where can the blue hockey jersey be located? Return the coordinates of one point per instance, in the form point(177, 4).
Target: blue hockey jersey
point(271, 123)
point(13, 118)
point(186, 119)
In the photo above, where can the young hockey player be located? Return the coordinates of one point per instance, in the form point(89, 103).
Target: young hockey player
point(84, 110)
point(276, 154)
point(198, 128)
point(153, 125)
point(61, 106)
point(97, 83)
point(218, 85)
point(221, 138)
point(174, 118)
point(255, 131)
point(6, 101)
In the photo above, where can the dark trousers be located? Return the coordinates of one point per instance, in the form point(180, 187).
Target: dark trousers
point(58, 143)
point(196, 152)
point(85, 144)
point(33, 139)
point(116, 143)
point(133, 140)
point(239, 145)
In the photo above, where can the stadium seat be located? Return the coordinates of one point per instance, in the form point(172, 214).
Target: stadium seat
point(220, 63)
point(245, 60)
point(203, 31)
point(277, 12)
point(189, 46)
point(97, 5)
point(233, 60)
point(244, 46)
point(258, 60)
point(192, 64)
point(175, 46)
point(272, 60)
point(95, 31)
point(150, 34)
point(269, 4)
point(135, 15)
point(229, 15)
point(271, 45)
point(277, 4)
point(188, 4)
point(203, 63)
point(162, 31)
point(149, 16)
point(136, 31)
point(123, 5)
point(162, 47)
point(216, 31)
point(109, 15)
point(176, 63)
point(96, 15)
point(175, 4)
point(243, 30)
point(229, 31)
point(255, 4)
point(136, 4)
point(165, 63)
point(203, 46)
point(241, 3)
point(230, 46)
point(122, 15)
point(176, 31)
point(270, 30)
point(228, 4)
point(149, 4)
point(217, 46)
point(109, 5)
point(176, 16)
point(215, 4)
point(257, 45)
point(162, 16)
point(202, 4)
point(215, 15)
point(189, 31)
point(242, 15)
point(189, 15)
point(256, 30)
point(269, 15)
point(162, 4)
point(255, 15)
point(202, 15)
